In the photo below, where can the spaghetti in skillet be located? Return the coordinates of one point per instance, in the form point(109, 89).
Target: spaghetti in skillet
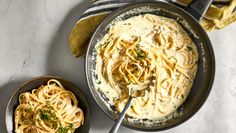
point(146, 52)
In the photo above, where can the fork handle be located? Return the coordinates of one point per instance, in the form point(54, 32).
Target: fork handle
point(116, 126)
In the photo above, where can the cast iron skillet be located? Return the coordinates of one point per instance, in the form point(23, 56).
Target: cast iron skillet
point(206, 65)
point(28, 86)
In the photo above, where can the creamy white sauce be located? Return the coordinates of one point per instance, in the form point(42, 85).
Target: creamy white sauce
point(159, 49)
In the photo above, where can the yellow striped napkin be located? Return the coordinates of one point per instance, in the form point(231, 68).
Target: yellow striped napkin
point(215, 18)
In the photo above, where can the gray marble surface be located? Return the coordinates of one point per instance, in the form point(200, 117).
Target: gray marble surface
point(34, 42)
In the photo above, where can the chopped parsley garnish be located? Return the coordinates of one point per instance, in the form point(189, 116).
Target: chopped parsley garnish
point(189, 48)
point(160, 100)
point(140, 54)
point(182, 96)
point(62, 130)
point(65, 129)
point(47, 115)
point(71, 126)
point(98, 82)
point(44, 116)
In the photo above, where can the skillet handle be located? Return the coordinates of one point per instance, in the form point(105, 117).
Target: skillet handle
point(197, 8)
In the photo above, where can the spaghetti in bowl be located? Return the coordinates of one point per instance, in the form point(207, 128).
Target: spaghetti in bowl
point(48, 104)
point(146, 52)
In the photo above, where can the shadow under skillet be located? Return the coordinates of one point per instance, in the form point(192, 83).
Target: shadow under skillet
point(61, 62)
point(6, 91)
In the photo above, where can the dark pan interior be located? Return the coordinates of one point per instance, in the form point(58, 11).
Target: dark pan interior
point(37, 82)
point(206, 65)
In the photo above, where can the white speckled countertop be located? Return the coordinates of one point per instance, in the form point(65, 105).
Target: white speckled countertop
point(34, 41)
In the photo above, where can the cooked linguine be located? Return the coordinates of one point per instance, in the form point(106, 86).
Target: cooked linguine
point(48, 109)
point(146, 52)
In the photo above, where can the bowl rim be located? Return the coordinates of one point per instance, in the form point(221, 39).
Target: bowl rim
point(52, 77)
point(208, 42)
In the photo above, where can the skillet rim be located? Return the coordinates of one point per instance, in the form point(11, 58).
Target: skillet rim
point(203, 33)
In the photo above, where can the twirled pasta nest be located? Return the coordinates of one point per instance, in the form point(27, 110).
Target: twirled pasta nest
point(49, 108)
